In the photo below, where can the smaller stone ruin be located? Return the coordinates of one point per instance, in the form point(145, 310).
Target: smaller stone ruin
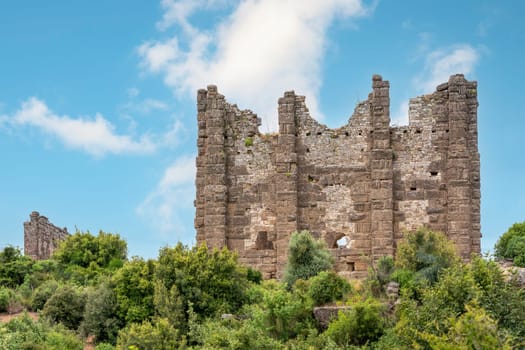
point(41, 237)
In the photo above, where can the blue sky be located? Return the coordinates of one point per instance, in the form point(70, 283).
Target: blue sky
point(97, 98)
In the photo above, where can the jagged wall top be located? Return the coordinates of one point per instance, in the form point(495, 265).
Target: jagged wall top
point(366, 182)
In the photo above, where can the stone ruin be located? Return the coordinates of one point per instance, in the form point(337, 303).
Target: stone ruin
point(41, 237)
point(359, 187)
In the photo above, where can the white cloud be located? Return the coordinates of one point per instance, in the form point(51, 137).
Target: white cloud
point(173, 196)
point(177, 12)
point(159, 55)
point(442, 63)
point(133, 92)
point(262, 49)
point(438, 66)
point(145, 106)
point(173, 135)
point(95, 136)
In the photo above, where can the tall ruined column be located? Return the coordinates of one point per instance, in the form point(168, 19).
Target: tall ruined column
point(475, 183)
point(285, 179)
point(462, 166)
point(210, 218)
point(381, 189)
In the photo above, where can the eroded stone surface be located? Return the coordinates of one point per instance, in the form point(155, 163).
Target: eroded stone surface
point(41, 237)
point(361, 185)
point(325, 314)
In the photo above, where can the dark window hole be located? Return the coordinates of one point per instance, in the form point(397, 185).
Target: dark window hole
point(308, 133)
point(307, 150)
point(347, 134)
point(418, 131)
point(433, 173)
point(319, 133)
point(446, 130)
point(413, 188)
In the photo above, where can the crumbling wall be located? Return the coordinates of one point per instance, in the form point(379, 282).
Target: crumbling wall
point(41, 237)
point(358, 187)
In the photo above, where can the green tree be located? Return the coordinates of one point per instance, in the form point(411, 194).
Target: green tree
point(85, 256)
point(327, 287)
point(282, 313)
point(27, 334)
point(13, 267)
point(503, 301)
point(363, 323)
point(134, 289)
point(169, 304)
point(511, 245)
point(306, 257)
point(42, 293)
point(159, 335)
point(100, 314)
point(231, 334)
point(212, 281)
point(474, 329)
point(66, 306)
point(6, 295)
point(425, 252)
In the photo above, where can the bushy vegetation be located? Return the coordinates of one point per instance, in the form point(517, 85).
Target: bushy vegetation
point(511, 245)
point(306, 257)
point(328, 287)
point(196, 298)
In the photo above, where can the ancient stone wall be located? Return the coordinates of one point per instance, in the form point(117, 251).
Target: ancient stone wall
point(41, 237)
point(359, 187)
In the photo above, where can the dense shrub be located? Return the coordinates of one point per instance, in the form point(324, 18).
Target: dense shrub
point(379, 275)
point(42, 293)
point(426, 253)
point(306, 257)
point(511, 245)
point(100, 314)
point(327, 287)
point(6, 295)
point(474, 329)
point(134, 287)
point(13, 267)
point(84, 257)
point(503, 301)
point(211, 281)
point(27, 334)
point(231, 334)
point(158, 335)
point(281, 313)
point(66, 306)
point(169, 304)
point(362, 324)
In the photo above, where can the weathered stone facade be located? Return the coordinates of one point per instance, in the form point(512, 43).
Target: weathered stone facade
point(359, 187)
point(41, 237)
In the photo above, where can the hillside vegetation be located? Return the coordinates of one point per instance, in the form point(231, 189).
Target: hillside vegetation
point(195, 298)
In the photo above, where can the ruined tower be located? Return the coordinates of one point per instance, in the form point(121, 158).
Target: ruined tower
point(41, 237)
point(359, 187)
